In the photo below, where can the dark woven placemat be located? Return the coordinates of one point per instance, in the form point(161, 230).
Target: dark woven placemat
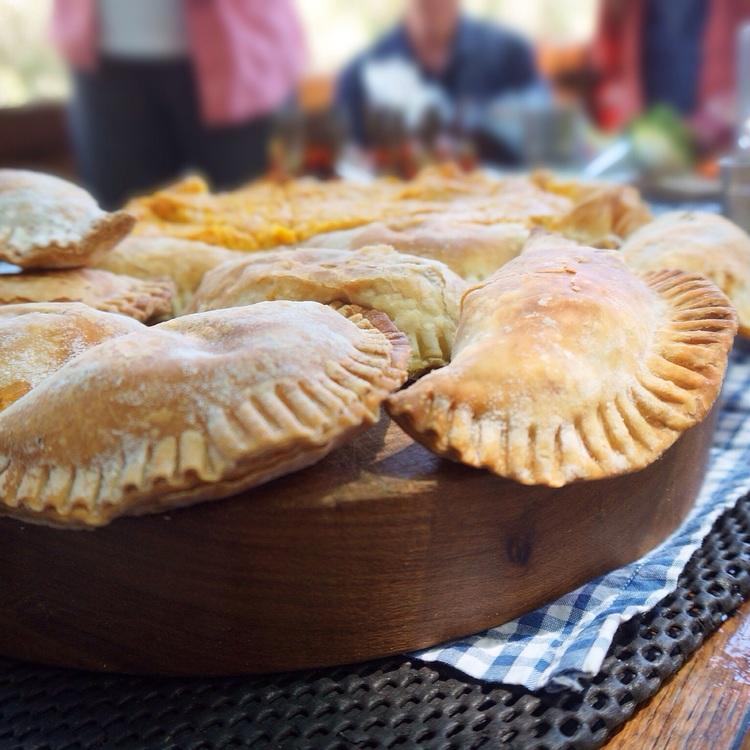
point(393, 703)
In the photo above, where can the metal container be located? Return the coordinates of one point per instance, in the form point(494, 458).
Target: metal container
point(735, 168)
point(735, 181)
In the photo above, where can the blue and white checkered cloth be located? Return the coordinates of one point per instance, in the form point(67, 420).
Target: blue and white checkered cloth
point(559, 643)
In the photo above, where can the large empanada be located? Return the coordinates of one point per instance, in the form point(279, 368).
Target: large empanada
point(38, 339)
point(198, 408)
point(566, 366)
point(183, 261)
point(421, 296)
point(46, 222)
point(697, 241)
point(473, 250)
point(142, 300)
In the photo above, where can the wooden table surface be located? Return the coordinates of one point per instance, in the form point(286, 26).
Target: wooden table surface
point(706, 706)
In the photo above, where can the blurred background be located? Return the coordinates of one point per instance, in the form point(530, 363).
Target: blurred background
point(129, 96)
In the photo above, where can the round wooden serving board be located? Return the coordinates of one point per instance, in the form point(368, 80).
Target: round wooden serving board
point(381, 548)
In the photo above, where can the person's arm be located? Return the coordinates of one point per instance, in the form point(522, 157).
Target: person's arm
point(350, 99)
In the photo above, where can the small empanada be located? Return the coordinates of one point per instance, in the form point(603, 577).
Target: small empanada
point(38, 339)
point(183, 261)
point(46, 222)
point(697, 241)
point(566, 366)
point(142, 300)
point(198, 408)
point(419, 295)
point(473, 250)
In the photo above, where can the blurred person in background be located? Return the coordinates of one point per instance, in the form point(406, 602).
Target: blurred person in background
point(161, 86)
point(465, 59)
point(679, 53)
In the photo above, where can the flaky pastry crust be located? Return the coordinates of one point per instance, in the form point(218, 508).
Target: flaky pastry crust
point(38, 339)
point(603, 213)
point(701, 242)
point(568, 366)
point(195, 409)
point(46, 222)
point(185, 262)
point(471, 249)
point(264, 214)
point(419, 295)
point(139, 299)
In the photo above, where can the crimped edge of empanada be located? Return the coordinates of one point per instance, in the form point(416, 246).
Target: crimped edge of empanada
point(430, 345)
point(104, 233)
point(365, 318)
point(144, 300)
point(317, 414)
point(678, 386)
point(148, 300)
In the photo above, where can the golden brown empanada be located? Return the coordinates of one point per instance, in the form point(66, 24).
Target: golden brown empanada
point(198, 408)
point(38, 339)
point(697, 241)
point(183, 261)
point(419, 295)
point(566, 366)
point(46, 222)
point(473, 250)
point(142, 300)
point(603, 213)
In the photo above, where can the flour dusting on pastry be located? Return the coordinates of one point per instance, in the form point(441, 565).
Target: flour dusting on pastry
point(198, 408)
point(47, 222)
point(37, 339)
point(567, 366)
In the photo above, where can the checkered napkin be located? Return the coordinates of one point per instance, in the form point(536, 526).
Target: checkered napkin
point(569, 638)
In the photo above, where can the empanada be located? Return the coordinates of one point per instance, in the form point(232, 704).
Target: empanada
point(473, 250)
point(567, 365)
point(198, 408)
point(46, 222)
point(183, 261)
point(697, 241)
point(38, 339)
point(419, 295)
point(142, 300)
point(603, 213)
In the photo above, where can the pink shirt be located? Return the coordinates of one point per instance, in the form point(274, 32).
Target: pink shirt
point(247, 54)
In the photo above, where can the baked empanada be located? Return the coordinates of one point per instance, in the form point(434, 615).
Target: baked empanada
point(46, 222)
point(473, 250)
point(142, 300)
point(567, 366)
point(38, 339)
point(419, 295)
point(198, 408)
point(697, 241)
point(183, 261)
point(603, 213)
